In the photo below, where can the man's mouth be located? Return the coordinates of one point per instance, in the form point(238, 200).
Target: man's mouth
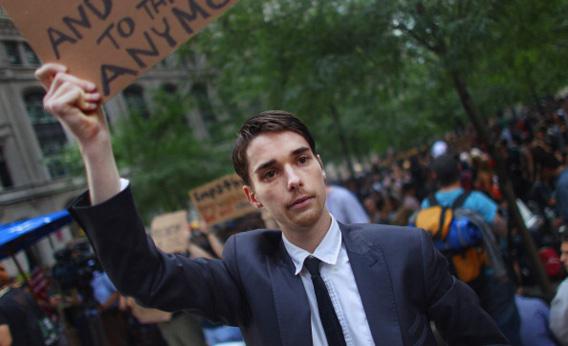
point(299, 201)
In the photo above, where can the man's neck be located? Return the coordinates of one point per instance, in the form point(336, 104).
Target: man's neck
point(309, 238)
point(452, 186)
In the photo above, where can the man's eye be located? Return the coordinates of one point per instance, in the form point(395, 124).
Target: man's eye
point(269, 174)
point(303, 159)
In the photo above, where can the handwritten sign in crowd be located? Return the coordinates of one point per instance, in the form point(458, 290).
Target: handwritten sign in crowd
point(170, 232)
point(110, 42)
point(221, 200)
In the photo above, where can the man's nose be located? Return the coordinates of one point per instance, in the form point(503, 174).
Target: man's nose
point(293, 177)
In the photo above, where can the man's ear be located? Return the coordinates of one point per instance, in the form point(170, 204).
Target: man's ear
point(320, 161)
point(322, 167)
point(251, 196)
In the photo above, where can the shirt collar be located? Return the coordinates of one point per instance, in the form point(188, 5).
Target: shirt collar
point(327, 251)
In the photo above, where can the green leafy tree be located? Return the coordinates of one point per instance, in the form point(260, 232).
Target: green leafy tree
point(465, 38)
point(163, 158)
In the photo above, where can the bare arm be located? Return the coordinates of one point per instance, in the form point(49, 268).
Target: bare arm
point(76, 104)
point(5, 335)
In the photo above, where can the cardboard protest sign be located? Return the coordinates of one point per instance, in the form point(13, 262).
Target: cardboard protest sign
point(110, 42)
point(221, 200)
point(170, 232)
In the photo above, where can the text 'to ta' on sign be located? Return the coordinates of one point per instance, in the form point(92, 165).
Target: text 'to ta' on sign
point(110, 42)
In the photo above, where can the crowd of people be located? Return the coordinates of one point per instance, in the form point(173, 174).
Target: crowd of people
point(534, 145)
point(75, 303)
point(455, 172)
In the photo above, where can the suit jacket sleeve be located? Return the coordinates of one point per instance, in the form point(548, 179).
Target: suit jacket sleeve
point(453, 305)
point(168, 282)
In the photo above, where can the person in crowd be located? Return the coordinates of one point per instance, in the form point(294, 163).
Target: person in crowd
point(373, 204)
point(561, 195)
point(344, 205)
point(314, 281)
point(496, 295)
point(535, 317)
point(559, 305)
point(21, 319)
point(408, 206)
point(204, 243)
point(183, 329)
point(113, 319)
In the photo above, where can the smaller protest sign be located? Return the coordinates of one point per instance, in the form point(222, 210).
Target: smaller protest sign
point(221, 200)
point(170, 232)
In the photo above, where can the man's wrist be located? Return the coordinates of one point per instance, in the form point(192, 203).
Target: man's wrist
point(95, 146)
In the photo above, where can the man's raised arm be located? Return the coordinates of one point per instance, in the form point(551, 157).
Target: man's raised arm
point(77, 105)
point(133, 262)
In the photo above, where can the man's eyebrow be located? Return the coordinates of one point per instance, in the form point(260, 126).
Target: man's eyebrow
point(300, 151)
point(265, 165)
point(270, 163)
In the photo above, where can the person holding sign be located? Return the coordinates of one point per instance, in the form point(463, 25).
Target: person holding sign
point(313, 282)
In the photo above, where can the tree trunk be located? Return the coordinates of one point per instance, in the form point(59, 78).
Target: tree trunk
point(505, 184)
point(342, 139)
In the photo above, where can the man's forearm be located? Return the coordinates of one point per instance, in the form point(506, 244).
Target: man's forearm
point(77, 105)
point(101, 170)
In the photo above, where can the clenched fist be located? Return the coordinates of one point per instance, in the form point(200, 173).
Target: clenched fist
point(75, 102)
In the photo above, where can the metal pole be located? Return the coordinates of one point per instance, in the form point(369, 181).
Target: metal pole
point(20, 269)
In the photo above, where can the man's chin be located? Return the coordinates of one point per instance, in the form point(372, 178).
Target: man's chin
point(306, 219)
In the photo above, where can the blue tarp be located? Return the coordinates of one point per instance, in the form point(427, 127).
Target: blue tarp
point(18, 235)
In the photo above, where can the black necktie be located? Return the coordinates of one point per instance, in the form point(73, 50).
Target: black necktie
point(331, 325)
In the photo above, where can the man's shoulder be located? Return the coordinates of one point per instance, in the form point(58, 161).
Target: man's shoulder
point(259, 241)
point(259, 235)
point(382, 234)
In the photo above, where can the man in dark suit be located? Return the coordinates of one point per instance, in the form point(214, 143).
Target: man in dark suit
point(314, 281)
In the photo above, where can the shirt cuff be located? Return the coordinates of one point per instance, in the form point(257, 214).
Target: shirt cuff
point(124, 184)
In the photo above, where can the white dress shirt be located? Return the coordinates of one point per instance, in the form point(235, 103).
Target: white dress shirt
point(336, 272)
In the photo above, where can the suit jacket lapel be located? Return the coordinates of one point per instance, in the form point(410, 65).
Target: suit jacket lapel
point(375, 287)
point(291, 302)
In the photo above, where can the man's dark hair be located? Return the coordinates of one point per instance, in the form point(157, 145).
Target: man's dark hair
point(447, 169)
point(268, 121)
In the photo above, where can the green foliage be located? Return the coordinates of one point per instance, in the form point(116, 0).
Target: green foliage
point(383, 66)
point(163, 158)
